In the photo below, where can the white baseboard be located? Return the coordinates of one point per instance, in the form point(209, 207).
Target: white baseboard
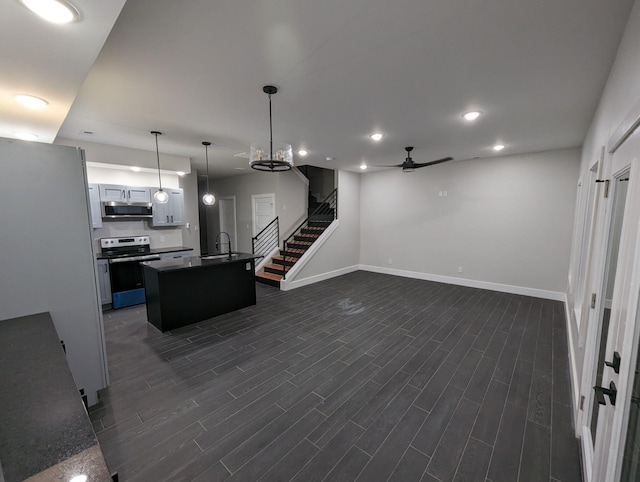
point(290, 285)
point(516, 290)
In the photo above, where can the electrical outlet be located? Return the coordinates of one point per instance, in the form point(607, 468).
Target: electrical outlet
point(195, 227)
point(459, 269)
point(439, 193)
point(444, 193)
point(390, 261)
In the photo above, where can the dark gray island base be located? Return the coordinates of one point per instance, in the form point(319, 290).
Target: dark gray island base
point(183, 291)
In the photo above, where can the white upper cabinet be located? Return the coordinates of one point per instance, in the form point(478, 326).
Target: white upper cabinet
point(172, 212)
point(94, 204)
point(127, 194)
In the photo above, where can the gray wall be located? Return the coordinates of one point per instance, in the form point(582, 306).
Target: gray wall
point(46, 260)
point(505, 220)
point(289, 188)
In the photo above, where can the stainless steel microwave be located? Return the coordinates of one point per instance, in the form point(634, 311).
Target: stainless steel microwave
point(115, 210)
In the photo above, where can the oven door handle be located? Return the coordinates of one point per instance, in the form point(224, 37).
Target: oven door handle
point(130, 259)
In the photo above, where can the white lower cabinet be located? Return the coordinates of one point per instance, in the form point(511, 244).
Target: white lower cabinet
point(104, 281)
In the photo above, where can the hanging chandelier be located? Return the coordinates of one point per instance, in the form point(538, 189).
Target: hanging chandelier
point(208, 199)
point(263, 159)
point(160, 196)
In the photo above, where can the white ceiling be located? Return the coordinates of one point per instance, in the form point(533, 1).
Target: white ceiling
point(408, 68)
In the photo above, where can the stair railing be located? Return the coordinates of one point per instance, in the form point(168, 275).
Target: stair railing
point(326, 212)
point(266, 240)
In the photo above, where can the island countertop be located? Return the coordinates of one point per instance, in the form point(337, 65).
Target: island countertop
point(193, 262)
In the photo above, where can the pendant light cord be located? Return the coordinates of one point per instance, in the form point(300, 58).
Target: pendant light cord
point(206, 154)
point(158, 156)
point(270, 131)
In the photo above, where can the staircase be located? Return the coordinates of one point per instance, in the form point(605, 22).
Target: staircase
point(299, 242)
point(275, 271)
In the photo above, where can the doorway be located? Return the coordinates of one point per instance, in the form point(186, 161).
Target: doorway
point(227, 213)
point(263, 211)
point(614, 419)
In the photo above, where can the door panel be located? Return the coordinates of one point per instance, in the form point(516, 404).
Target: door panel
point(263, 211)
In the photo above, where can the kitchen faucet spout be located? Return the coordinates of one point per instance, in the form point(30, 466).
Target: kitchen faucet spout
point(228, 239)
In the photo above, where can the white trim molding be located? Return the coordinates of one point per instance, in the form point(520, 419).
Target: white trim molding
point(290, 285)
point(487, 285)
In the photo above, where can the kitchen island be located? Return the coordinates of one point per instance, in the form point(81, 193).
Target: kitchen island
point(183, 291)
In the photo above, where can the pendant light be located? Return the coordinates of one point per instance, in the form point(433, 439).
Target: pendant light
point(208, 199)
point(262, 159)
point(160, 196)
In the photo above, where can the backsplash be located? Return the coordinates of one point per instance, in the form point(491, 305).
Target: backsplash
point(160, 238)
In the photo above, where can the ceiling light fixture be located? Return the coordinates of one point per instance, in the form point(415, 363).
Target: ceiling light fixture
point(262, 160)
point(160, 196)
point(363, 166)
point(471, 116)
point(135, 168)
point(25, 136)
point(55, 11)
point(31, 102)
point(376, 137)
point(208, 199)
point(302, 152)
point(180, 173)
point(498, 147)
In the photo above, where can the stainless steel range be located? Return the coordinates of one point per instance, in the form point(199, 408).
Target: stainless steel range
point(125, 255)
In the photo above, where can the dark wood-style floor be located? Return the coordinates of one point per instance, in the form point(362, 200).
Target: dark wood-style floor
point(363, 377)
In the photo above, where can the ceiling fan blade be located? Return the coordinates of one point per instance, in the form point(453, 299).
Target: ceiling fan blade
point(425, 164)
point(395, 165)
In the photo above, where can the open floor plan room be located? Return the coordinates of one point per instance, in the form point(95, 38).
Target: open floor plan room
point(362, 377)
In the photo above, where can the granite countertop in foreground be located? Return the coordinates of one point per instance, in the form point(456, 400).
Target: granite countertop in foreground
point(45, 432)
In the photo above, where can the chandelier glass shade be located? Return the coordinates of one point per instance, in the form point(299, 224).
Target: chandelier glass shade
point(265, 156)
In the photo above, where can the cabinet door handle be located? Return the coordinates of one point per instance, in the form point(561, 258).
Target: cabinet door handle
point(172, 218)
point(106, 268)
point(167, 218)
point(129, 194)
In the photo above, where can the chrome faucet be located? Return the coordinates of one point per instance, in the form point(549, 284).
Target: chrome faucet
point(218, 241)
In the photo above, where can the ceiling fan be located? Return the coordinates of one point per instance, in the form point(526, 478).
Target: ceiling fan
point(408, 165)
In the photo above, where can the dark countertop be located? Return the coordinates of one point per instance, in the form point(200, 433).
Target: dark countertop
point(44, 425)
point(152, 251)
point(192, 262)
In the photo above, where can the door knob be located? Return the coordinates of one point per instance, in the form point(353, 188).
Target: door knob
point(611, 392)
point(615, 364)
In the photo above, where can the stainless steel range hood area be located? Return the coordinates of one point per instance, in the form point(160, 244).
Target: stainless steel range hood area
point(118, 210)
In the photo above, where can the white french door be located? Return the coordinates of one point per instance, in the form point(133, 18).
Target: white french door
point(616, 446)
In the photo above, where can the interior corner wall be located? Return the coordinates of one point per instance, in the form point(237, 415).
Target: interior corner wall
point(342, 250)
point(291, 193)
point(504, 220)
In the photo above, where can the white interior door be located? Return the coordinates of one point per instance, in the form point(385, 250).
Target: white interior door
point(264, 211)
point(617, 443)
point(227, 211)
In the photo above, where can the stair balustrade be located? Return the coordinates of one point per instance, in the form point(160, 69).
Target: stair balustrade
point(266, 240)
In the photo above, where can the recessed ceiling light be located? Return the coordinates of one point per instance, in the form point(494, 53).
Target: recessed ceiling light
point(180, 173)
point(498, 147)
point(473, 115)
point(329, 158)
point(135, 168)
point(31, 101)
point(363, 166)
point(25, 136)
point(302, 152)
point(56, 11)
point(376, 137)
